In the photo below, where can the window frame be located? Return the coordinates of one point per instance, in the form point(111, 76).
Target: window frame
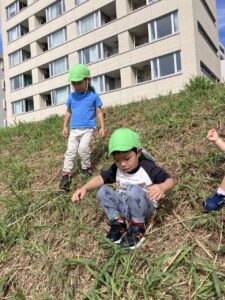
point(16, 4)
point(23, 106)
point(97, 21)
point(48, 10)
point(173, 18)
point(99, 50)
point(50, 38)
point(53, 94)
point(156, 63)
point(52, 66)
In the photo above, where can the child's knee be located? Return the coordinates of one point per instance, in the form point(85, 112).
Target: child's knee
point(135, 191)
point(102, 192)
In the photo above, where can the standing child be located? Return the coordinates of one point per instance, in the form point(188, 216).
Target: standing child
point(216, 200)
point(140, 182)
point(82, 107)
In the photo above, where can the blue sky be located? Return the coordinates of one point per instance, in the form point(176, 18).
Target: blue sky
point(221, 20)
point(220, 15)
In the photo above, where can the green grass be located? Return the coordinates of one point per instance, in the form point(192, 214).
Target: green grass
point(51, 249)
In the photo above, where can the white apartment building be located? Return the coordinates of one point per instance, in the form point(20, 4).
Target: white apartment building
point(3, 121)
point(135, 49)
point(222, 62)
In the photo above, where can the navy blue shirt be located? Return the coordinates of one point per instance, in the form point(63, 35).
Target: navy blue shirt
point(146, 174)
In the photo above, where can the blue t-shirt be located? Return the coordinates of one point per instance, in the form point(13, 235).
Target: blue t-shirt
point(83, 109)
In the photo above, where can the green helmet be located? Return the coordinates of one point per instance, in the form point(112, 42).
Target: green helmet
point(78, 72)
point(123, 139)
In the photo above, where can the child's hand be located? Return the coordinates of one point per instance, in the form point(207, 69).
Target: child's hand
point(78, 195)
point(65, 132)
point(212, 135)
point(102, 132)
point(155, 192)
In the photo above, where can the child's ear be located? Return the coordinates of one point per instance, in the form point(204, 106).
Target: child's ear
point(139, 152)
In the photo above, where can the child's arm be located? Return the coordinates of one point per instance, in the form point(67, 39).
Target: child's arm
point(100, 116)
point(92, 184)
point(213, 136)
point(157, 191)
point(66, 122)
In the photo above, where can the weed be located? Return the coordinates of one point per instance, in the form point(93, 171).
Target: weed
point(51, 249)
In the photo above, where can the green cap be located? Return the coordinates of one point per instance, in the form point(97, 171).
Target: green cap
point(123, 139)
point(78, 72)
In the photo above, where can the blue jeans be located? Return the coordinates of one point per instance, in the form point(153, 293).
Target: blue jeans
point(132, 204)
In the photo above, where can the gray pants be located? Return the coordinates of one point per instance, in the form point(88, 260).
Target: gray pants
point(132, 204)
point(79, 141)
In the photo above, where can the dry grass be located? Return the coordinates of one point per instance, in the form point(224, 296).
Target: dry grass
point(52, 249)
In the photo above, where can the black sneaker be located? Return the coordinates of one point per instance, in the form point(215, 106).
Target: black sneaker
point(117, 229)
point(65, 182)
point(87, 172)
point(133, 238)
point(214, 202)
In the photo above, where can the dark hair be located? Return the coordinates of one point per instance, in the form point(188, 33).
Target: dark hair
point(90, 87)
point(117, 152)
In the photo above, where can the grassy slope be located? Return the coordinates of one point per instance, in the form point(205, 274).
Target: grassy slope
point(52, 249)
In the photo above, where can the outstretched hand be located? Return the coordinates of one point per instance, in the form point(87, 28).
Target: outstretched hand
point(212, 135)
point(155, 192)
point(78, 195)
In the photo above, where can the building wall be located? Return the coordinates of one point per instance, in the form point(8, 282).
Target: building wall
point(222, 70)
point(192, 46)
point(2, 96)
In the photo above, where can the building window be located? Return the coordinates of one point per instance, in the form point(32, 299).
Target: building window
point(4, 104)
point(107, 82)
point(89, 23)
point(166, 65)
point(18, 57)
point(1, 64)
point(208, 10)
point(163, 26)
point(54, 10)
point(91, 54)
point(135, 4)
point(205, 70)
point(207, 38)
point(60, 95)
point(22, 106)
point(78, 2)
point(58, 66)
point(15, 7)
point(16, 32)
point(21, 81)
point(57, 38)
point(97, 18)
point(98, 51)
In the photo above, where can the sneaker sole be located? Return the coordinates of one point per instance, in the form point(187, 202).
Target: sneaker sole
point(138, 244)
point(117, 242)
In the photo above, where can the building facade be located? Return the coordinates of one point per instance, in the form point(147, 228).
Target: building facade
point(3, 121)
point(135, 49)
point(222, 62)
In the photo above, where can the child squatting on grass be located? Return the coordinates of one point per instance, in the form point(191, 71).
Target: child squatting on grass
point(82, 107)
point(140, 182)
point(216, 200)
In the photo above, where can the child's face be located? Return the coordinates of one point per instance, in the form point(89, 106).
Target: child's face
point(80, 86)
point(126, 161)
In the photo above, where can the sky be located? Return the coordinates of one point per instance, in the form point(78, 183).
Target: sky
point(220, 4)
